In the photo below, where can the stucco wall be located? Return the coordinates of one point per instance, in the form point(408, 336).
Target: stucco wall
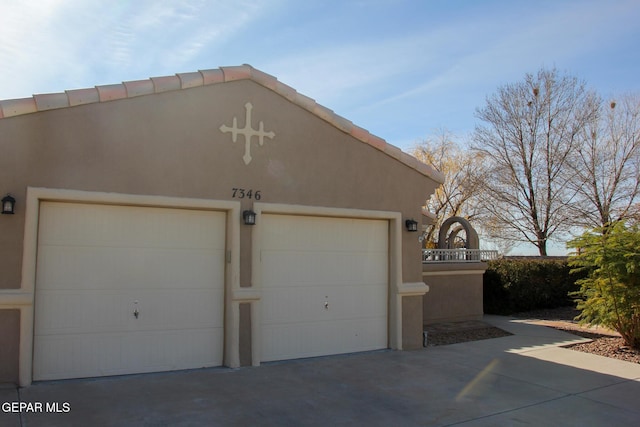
point(9, 349)
point(455, 292)
point(412, 322)
point(170, 144)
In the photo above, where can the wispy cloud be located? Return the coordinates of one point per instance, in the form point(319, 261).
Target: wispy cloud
point(72, 41)
point(397, 68)
point(215, 26)
point(330, 72)
point(502, 49)
point(438, 74)
point(27, 49)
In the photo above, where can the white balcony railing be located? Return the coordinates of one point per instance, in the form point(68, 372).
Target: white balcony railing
point(458, 255)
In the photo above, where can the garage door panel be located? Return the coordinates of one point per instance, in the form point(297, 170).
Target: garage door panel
point(69, 224)
point(84, 356)
point(350, 235)
point(294, 305)
point(325, 285)
point(324, 338)
point(306, 268)
point(286, 304)
point(116, 354)
point(170, 350)
point(282, 306)
point(68, 312)
point(60, 312)
point(356, 302)
point(355, 334)
point(126, 268)
point(170, 309)
point(280, 342)
point(98, 265)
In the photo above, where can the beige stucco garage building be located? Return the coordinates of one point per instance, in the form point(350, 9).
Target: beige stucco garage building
point(129, 252)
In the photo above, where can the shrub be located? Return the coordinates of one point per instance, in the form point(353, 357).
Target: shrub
point(609, 295)
point(514, 285)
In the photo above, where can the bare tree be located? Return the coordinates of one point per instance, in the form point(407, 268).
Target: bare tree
point(530, 128)
point(605, 169)
point(462, 171)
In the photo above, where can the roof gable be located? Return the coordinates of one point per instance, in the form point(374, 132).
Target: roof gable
point(131, 89)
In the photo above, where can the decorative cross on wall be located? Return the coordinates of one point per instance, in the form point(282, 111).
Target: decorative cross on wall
point(248, 132)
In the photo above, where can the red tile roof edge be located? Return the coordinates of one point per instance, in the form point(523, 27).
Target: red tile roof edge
point(42, 102)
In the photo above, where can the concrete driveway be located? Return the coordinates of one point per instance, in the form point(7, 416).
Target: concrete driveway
point(523, 379)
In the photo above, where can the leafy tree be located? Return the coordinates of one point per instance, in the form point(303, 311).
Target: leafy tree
point(610, 293)
point(462, 171)
point(530, 129)
point(605, 168)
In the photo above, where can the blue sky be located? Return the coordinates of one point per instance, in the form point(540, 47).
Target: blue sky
point(400, 68)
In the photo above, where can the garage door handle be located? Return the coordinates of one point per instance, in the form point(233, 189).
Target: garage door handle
point(326, 305)
point(136, 313)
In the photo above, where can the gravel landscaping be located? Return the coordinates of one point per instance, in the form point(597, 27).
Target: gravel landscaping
point(437, 335)
point(603, 342)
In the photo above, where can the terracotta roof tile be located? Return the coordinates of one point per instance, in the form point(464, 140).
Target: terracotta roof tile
point(377, 142)
point(425, 169)
point(189, 80)
point(212, 76)
point(165, 83)
point(239, 72)
point(83, 96)
point(286, 91)
point(16, 107)
point(393, 151)
point(409, 160)
point(51, 101)
point(360, 133)
point(305, 102)
point(324, 113)
point(264, 79)
point(70, 98)
point(139, 88)
point(343, 124)
point(112, 92)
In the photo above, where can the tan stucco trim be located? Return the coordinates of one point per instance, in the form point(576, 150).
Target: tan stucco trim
point(395, 263)
point(12, 299)
point(23, 299)
point(431, 217)
point(408, 289)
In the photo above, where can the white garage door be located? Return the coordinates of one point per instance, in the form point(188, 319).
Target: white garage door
point(124, 290)
point(324, 286)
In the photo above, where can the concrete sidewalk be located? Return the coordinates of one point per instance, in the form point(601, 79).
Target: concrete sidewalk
point(523, 379)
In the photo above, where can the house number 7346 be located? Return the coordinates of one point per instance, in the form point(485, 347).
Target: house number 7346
point(241, 193)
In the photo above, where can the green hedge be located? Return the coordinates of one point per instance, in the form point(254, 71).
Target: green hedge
point(515, 285)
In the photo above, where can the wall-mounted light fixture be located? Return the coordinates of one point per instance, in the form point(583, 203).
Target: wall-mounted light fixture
point(249, 217)
point(8, 205)
point(411, 224)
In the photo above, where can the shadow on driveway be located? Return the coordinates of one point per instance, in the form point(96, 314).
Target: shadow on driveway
point(520, 379)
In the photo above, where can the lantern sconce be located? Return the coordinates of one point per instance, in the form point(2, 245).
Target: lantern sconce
point(411, 224)
point(249, 217)
point(8, 205)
